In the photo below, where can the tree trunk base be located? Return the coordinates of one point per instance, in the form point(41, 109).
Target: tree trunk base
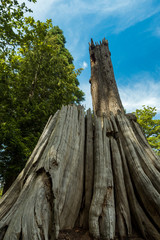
point(86, 172)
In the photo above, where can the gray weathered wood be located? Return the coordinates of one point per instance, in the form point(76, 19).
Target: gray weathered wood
point(122, 206)
point(100, 180)
point(148, 194)
point(140, 219)
point(108, 220)
point(148, 150)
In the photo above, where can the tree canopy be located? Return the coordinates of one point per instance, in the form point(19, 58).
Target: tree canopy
point(37, 77)
point(150, 126)
point(11, 22)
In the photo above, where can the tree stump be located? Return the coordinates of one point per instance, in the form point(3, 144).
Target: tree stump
point(91, 176)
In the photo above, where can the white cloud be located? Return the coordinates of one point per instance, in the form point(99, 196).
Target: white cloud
point(40, 8)
point(74, 8)
point(84, 65)
point(127, 12)
point(79, 18)
point(145, 92)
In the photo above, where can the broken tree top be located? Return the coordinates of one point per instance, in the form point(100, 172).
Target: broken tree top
point(94, 172)
point(105, 96)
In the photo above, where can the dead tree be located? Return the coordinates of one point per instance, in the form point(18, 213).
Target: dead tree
point(93, 171)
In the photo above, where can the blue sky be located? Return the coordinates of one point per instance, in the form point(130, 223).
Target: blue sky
point(133, 30)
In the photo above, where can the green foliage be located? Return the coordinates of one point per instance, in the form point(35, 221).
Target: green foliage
point(37, 77)
point(11, 22)
point(150, 126)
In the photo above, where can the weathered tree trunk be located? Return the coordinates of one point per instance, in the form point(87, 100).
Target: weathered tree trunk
point(105, 96)
point(91, 171)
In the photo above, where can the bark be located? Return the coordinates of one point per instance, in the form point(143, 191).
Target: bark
point(102, 210)
point(139, 217)
point(105, 96)
point(149, 196)
point(95, 172)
